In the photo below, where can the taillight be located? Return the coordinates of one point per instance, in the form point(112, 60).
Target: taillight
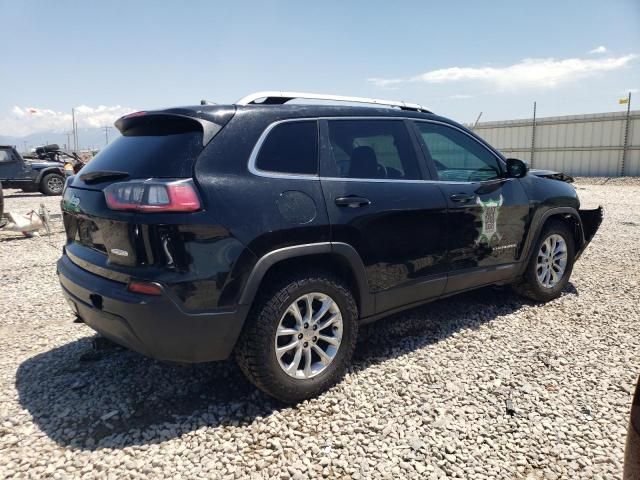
point(146, 288)
point(153, 195)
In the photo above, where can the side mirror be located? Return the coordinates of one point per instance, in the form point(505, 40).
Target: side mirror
point(516, 168)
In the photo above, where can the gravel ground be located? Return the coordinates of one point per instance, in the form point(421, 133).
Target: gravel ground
point(426, 396)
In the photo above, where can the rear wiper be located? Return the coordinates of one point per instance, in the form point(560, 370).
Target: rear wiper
point(102, 176)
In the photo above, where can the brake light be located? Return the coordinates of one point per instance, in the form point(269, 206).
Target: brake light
point(153, 195)
point(146, 288)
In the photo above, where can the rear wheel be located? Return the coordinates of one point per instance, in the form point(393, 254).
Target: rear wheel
point(299, 337)
point(52, 184)
point(551, 264)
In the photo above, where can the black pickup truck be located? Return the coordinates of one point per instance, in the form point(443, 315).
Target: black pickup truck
point(44, 176)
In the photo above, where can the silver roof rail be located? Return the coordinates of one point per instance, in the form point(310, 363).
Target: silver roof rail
point(279, 98)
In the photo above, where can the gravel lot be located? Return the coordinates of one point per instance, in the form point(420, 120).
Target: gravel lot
point(425, 398)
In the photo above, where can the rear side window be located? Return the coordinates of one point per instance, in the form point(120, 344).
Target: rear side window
point(171, 155)
point(5, 156)
point(373, 149)
point(290, 147)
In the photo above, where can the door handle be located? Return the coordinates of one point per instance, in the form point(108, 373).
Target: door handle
point(352, 201)
point(461, 197)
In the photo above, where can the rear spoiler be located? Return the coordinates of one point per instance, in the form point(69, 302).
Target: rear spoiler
point(165, 123)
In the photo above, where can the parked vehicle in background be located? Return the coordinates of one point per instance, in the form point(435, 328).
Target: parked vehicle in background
point(274, 231)
point(45, 176)
point(53, 153)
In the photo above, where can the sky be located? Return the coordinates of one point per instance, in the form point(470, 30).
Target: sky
point(457, 58)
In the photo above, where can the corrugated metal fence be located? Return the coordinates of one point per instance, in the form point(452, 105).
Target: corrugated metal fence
point(585, 145)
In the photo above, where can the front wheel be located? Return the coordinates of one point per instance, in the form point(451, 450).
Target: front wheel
point(52, 184)
point(550, 265)
point(299, 337)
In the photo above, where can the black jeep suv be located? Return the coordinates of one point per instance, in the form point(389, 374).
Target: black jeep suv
point(273, 231)
point(30, 175)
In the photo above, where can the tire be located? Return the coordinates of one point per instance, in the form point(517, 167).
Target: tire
point(52, 184)
point(256, 348)
point(531, 285)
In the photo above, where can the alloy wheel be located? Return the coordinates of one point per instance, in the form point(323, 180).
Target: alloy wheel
point(309, 335)
point(552, 261)
point(55, 184)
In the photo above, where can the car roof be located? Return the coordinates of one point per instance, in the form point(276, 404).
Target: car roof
point(213, 113)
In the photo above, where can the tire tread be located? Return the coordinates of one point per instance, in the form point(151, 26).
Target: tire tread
point(249, 353)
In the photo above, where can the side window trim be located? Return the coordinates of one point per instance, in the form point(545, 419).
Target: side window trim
point(429, 160)
point(327, 165)
point(324, 161)
point(426, 163)
point(255, 152)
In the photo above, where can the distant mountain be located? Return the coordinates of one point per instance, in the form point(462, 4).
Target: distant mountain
point(88, 138)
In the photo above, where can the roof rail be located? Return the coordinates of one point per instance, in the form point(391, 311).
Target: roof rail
point(279, 98)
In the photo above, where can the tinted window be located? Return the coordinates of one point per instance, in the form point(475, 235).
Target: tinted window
point(372, 149)
point(291, 147)
point(150, 155)
point(457, 156)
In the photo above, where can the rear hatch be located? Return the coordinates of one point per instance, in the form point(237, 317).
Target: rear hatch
point(155, 148)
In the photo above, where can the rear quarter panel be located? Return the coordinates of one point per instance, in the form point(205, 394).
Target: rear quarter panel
point(262, 213)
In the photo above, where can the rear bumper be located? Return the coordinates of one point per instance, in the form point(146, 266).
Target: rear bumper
point(152, 325)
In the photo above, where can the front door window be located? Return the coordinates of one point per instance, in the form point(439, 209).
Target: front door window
point(456, 156)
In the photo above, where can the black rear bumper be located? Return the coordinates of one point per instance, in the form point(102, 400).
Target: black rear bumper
point(155, 326)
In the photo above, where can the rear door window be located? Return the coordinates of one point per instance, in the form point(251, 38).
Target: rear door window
point(290, 148)
point(372, 149)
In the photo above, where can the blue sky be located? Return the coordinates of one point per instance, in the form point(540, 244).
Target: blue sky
point(457, 58)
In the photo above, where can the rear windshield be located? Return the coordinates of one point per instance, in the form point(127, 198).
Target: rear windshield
point(144, 156)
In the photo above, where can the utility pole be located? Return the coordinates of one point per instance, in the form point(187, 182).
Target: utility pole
point(477, 120)
point(533, 134)
point(625, 145)
point(106, 134)
point(24, 142)
point(69, 140)
point(73, 127)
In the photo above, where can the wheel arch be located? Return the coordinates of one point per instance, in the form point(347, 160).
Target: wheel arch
point(46, 171)
point(567, 215)
point(337, 258)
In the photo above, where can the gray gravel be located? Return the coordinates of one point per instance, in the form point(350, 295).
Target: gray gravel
point(426, 397)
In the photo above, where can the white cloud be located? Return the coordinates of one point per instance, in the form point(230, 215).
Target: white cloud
point(600, 49)
point(23, 121)
point(460, 96)
point(528, 73)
